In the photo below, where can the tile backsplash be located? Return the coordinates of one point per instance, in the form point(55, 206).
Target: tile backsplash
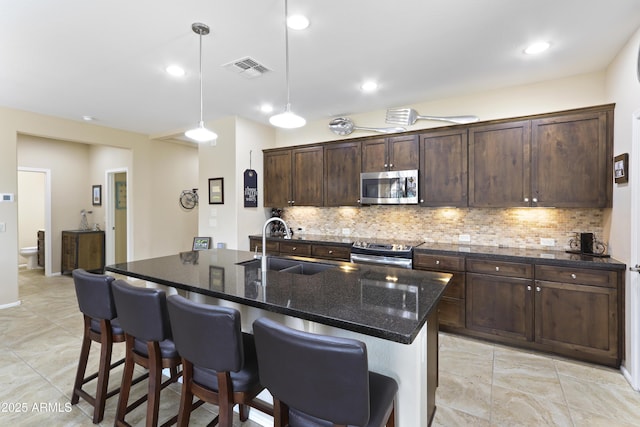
point(513, 227)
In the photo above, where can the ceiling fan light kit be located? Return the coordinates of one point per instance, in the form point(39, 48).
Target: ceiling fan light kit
point(288, 119)
point(201, 133)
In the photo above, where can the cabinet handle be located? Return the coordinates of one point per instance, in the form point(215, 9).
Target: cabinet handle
point(573, 275)
point(437, 262)
point(497, 268)
point(537, 288)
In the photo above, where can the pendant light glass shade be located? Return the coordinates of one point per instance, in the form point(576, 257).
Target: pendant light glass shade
point(201, 133)
point(288, 119)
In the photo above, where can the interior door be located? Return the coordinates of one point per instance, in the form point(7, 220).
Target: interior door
point(117, 218)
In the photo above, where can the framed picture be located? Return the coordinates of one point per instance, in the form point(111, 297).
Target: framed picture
point(621, 168)
point(96, 195)
point(201, 243)
point(216, 278)
point(216, 191)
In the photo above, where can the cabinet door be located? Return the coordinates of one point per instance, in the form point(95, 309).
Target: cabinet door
point(277, 178)
point(571, 161)
point(499, 165)
point(577, 319)
point(500, 306)
point(403, 152)
point(443, 168)
point(374, 155)
point(91, 251)
point(342, 174)
point(307, 176)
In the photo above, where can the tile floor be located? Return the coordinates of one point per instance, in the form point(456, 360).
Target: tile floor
point(481, 384)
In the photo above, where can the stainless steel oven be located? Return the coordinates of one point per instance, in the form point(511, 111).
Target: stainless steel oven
point(391, 254)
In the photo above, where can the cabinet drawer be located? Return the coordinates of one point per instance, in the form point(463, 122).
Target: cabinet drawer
point(272, 246)
point(295, 248)
point(331, 252)
point(576, 275)
point(438, 262)
point(500, 268)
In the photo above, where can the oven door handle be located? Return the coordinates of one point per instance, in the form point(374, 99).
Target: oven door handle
point(390, 261)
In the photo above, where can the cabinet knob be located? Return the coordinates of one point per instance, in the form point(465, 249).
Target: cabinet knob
point(537, 288)
point(437, 262)
point(573, 275)
point(330, 252)
point(535, 200)
point(294, 248)
point(526, 199)
point(390, 165)
point(497, 268)
point(385, 165)
point(528, 287)
point(421, 200)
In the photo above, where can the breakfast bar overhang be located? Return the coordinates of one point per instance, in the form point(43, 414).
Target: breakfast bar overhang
point(392, 310)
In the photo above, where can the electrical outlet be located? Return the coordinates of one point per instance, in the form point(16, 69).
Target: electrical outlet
point(547, 242)
point(3, 227)
point(464, 238)
point(346, 231)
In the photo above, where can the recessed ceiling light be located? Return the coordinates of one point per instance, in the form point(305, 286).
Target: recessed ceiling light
point(537, 47)
point(266, 108)
point(297, 22)
point(88, 118)
point(369, 86)
point(175, 70)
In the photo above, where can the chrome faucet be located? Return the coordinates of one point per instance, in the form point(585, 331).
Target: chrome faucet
point(287, 235)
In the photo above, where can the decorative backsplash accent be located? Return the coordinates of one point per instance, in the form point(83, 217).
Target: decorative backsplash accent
point(513, 227)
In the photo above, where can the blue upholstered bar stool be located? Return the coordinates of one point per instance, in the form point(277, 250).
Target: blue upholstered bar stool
point(318, 380)
point(95, 300)
point(218, 360)
point(143, 315)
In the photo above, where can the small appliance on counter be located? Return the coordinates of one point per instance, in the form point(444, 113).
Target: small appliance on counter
point(587, 244)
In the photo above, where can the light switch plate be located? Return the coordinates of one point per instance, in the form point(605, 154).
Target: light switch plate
point(3, 227)
point(547, 242)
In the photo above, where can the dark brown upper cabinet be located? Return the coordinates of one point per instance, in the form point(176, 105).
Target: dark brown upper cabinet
point(571, 160)
point(443, 168)
point(294, 177)
point(390, 153)
point(499, 165)
point(342, 174)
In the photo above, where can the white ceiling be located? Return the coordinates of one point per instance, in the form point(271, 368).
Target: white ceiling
point(106, 58)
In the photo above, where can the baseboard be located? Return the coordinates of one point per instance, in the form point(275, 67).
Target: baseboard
point(627, 376)
point(11, 304)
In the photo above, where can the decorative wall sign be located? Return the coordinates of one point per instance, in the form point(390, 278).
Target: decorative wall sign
point(250, 188)
point(621, 168)
point(216, 191)
point(96, 195)
point(201, 243)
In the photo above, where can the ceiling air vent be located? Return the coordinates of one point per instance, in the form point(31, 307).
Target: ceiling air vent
point(247, 67)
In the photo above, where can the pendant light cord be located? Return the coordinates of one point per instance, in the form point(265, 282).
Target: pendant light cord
point(286, 49)
point(201, 101)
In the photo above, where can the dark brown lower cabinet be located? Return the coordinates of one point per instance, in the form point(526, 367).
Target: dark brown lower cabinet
point(299, 248)
point(570, 311)
point(82, 249)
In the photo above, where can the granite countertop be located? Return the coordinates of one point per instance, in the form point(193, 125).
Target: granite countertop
point(384, 302)
point(553, 257)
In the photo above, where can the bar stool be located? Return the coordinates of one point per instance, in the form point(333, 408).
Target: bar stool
point(218, 360)
point(144, 318)
point(95, 301)
point(319, 380)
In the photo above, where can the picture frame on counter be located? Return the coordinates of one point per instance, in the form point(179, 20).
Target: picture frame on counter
point(216, 278)
point(621, 168)
point(216, 191)
point(96, 195)
point(201, 243)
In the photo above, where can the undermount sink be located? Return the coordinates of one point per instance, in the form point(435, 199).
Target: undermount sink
point(284, 265)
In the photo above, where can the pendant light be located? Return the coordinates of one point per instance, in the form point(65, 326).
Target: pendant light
point(288, 119)
point(201, 133)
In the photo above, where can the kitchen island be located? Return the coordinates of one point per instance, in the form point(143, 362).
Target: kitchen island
point(394, 311)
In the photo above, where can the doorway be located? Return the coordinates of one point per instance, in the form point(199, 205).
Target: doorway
point(117, 217)
point(632, 366)
point(34, 211)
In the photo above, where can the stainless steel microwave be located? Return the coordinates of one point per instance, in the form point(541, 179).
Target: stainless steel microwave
point(389, 188)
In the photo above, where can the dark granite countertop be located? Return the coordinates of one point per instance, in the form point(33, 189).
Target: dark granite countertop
point(384, 302)
point(552, 257)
